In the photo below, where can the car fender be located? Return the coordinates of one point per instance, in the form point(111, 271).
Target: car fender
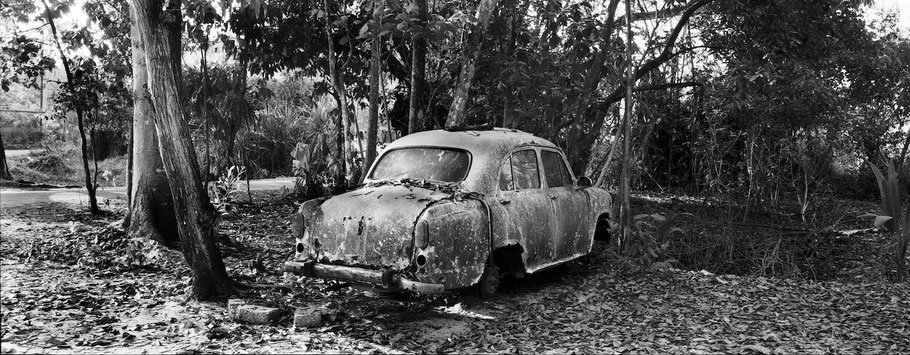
point(459, 243)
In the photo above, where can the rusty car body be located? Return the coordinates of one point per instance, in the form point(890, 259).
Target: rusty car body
point(443, 210)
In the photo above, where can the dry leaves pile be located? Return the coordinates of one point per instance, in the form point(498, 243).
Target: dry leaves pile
point(65, 304)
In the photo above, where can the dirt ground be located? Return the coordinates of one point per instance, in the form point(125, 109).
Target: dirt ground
point(71, 283)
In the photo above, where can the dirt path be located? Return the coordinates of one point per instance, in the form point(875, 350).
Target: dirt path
point(14, 197)
point(13, 153)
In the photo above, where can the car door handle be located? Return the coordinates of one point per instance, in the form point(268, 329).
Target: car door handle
point(504, 202)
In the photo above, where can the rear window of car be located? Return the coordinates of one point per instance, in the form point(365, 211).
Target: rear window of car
point(439, 164)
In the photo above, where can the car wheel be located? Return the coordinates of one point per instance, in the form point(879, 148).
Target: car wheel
point(489, 281)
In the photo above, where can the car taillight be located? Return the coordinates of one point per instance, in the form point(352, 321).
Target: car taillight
point(421, 234)
point(297, 225)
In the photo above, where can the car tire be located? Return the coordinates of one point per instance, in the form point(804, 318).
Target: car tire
point(489, 281)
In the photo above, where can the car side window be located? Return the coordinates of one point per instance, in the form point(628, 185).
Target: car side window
point(505, 175)
point(525, 171)
point(554, 169)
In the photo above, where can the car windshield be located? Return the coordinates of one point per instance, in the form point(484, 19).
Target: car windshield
point(440, 164)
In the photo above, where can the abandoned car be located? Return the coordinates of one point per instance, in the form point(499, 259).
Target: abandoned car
point(445, 210)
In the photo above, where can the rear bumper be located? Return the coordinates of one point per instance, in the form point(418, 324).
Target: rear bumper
point(385, 279)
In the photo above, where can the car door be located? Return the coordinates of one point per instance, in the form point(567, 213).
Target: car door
point(526, 208)
point(571, 214)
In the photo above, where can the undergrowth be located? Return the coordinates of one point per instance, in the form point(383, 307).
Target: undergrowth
point(63, 166)
point(720, 238)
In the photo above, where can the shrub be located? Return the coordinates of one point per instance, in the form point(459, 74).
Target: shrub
point(894, 220)
point(51, 164)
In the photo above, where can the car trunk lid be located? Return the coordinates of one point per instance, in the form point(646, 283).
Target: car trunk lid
point(372, 226)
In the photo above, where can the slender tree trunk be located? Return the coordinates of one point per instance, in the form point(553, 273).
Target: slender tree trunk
point(241, 75)
point(80, 121)
point(151, 205)
point(626, 210)
point(195, 215)
point(374, 90)
point(602, 178)
point(470, 56)
point(903, 156)
point(417, 104)
point(341, 138)
point(203, 63)
point(129, 168)
point(4, 168)
point(92, 199)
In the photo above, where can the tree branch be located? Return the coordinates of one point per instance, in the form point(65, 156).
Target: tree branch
point(667, 86)
point(656, 14)
point(690, 49)
point(665, 55)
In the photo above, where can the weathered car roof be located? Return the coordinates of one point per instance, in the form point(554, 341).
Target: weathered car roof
point(496, 141)
point(487, 148)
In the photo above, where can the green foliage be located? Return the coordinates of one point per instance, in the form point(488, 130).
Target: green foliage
point(227, 184)
point(58, 163)
point(896, 222)
point(22, 61)
point(21, 132)
point(50, 164)
point(319, 133)
point(220, 105)
point(646, 245)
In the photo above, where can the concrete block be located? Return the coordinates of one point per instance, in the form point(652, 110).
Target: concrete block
point(308, 317)
point(254, 314)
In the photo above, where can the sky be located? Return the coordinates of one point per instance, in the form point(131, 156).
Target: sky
point(903, 6)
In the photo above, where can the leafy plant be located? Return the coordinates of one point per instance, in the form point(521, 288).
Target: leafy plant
point(897, 225)
point(220, 191)
point(648, 240)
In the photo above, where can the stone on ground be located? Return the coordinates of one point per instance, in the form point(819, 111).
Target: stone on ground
point(249, 313)
point(308, 317)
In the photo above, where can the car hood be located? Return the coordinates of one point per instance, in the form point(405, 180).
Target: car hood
point(371, 226)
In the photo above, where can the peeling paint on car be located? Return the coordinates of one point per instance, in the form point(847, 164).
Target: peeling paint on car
point(373, 227)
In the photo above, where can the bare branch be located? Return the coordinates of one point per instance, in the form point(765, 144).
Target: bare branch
point(667, 86)
point(664, 56)
point(656, 14)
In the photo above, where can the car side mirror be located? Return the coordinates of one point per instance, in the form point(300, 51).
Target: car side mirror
point(585, 181)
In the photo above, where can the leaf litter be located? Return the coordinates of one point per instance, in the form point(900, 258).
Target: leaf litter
point(70, 284)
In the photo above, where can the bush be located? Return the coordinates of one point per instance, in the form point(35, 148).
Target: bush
point(21, 134)
point(51, 164)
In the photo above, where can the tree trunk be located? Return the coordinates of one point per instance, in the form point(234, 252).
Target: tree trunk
point(129, 168)
point(417, 104)
point(196, 219)
point(80, 121)
point(625, 187)
point(579, 154)
point(602, 178)
point(4, 168)
point(151, 205)
point(594, 73)
point(341, 123)
point(374, 91)
point(903, 156)
point(206, 120)
point(470, 56)
point(89, 186)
